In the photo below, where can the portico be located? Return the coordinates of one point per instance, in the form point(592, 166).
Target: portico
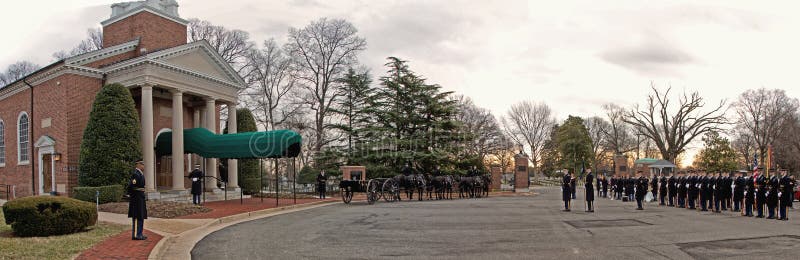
point(179, 87)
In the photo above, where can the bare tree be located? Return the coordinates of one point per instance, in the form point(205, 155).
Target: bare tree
point(787, 148)
point(672, 128)
point(762, 114)
point(744, 146)
point(321, 52)
point(93, 42)
point(597, 127)
point(529, 123)
point(232, 45)
point(270, 84)
point(481, 128)
point(618, 134)
point(16, 71)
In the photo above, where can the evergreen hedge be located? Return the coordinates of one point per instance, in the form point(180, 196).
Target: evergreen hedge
point(111, 193)
point(48, 215)
point(111, 139)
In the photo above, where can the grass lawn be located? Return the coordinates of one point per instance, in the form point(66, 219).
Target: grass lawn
point(55, 247)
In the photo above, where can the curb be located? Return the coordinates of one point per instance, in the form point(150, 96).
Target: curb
point(180, 246)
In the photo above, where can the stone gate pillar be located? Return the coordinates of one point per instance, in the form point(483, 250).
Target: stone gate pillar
point(521, 179)
point(621, 165)
point(497, 176)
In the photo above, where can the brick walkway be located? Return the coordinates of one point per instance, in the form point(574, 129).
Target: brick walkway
point(232, 207)
point(121, 246)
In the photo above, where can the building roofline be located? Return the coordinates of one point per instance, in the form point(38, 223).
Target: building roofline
point(103, 53)
point(50, 66)
point(144, 8)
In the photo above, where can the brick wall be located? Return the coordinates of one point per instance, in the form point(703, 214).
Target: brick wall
point(155, 31)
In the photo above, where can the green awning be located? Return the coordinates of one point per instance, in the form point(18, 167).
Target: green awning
point(201, 141)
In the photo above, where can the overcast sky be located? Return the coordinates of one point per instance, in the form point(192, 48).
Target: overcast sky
point(573, 55)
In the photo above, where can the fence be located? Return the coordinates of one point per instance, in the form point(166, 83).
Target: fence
point(7, 192)
point(287, 186)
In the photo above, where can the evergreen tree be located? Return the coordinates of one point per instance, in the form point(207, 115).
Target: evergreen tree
point(551, 159)
point(717, 154)
point(574, 145)
point(356, 108)
point(111, 140)
point(413, 123)
point(249, 175)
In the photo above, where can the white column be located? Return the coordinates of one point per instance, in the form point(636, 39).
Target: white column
point(147, 138)
point(177, 141)
point(211, 163)
point(195, 159)
point(233, 164)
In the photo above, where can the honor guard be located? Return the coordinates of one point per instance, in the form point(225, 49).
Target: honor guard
point(761, 193)
point(672, 190)
point(682, 191)
point(749, 195)
point(641, 190)
point(693, 189)
point(662, 190)
point(787, 194)
point(654, 187)
point(566, 189)
point(772, 195)
point(589, 190)
point(137, 207)
point(738, 192)
point(719, 198)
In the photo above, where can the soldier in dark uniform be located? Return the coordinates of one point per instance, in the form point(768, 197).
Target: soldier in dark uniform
point(641, 190)
point(719, 199)
point(761, 193)
point(566, 189)
point(704, 193)
point(604, 184)
point(692, 190)
point(631, 187)
point(772, 195)
point(787, 194)
point(322, 181)
point(727, 192)
point(599, 186)
point(137, 207)
point(613, 184)
point(196, 176)
point(738, 192)
point(672, 190)
point(682, 191)
point(407, 170)
point(654, 186)
point(662, 190)
point(589, 189)
point(749, 195)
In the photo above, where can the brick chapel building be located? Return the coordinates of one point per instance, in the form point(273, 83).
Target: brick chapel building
point(175, 85)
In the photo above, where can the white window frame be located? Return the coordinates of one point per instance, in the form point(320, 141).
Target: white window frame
point(2, 143)
point(19, 139)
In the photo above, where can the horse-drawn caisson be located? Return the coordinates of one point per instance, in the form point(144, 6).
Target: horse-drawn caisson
point(436, 185)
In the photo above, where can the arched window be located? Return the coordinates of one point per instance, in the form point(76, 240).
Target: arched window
point(2, 143)
point(23, 138)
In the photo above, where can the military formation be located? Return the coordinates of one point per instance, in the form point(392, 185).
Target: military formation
point(751, 194)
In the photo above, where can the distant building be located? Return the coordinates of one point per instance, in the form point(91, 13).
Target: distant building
point(175, 85)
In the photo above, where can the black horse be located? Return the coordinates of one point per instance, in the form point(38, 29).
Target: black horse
point(469, 186)
point(441, 186)
point(411, 183)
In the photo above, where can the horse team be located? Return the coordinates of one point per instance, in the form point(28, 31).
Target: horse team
point(440, 187)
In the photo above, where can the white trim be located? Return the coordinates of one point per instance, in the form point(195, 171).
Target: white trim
point(19, 141)
point(51, 74)
point(144, 8)
point(163, 130)
point(103, 53)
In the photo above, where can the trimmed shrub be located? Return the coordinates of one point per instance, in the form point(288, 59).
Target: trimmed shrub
point(111, 193)
point(110, 144)
point(46, 215)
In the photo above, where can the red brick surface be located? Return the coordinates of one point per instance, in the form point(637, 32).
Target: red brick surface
point(232, 207)
point(156, 32)
point(121, 246)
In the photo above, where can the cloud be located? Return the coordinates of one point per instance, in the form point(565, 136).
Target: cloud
point(653, 55)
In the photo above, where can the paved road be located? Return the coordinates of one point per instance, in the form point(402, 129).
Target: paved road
point(504, 228)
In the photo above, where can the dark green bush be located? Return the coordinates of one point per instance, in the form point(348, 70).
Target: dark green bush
point(47, 215)
point(111, 193)
point(111, 138)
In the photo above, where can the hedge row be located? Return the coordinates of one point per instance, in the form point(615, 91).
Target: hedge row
point(111, 193)
point(48, 215)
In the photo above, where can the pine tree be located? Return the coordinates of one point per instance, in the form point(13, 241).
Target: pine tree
point(717, 154)
point(111, 140)
point(574, 145)
point(356, 108)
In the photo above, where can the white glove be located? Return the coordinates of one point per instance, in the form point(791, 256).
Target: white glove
point(780, 193)
point(194, 179)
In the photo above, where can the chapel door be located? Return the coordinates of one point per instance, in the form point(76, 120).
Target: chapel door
point(47, 173)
